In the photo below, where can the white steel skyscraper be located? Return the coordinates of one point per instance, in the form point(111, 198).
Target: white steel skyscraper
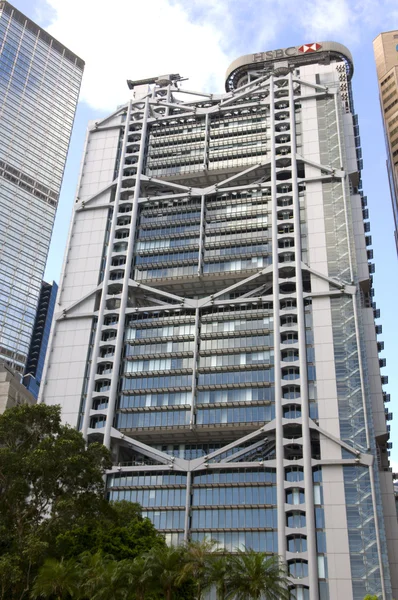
point(215, 325)
point(39, 87)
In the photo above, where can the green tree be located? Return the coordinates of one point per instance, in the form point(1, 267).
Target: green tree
point(47, 474)
point(218, 570)
point(371, 597)
point(89, 572)
point(121, 532)
point(111, 582)
point(139, 576)
point(198, 556)
point(254, 575)
point(166, 566)
point(10, 575)
point(56, 578)
point(49, 480)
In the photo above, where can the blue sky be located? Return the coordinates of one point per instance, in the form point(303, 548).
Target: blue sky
point(198, 39)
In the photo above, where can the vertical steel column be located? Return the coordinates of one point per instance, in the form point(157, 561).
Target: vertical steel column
point(168, 98)
point(360, 363)
point(123, 301)
point(194, 369)
point(307, 454)
point(201, 233)
point(280, 473)
point(206, 143)
point(187, 506)
point(101, 310)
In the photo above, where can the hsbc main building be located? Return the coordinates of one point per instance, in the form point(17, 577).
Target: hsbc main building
point(215, 320)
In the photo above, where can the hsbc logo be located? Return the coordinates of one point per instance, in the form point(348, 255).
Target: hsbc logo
point(309, 48)
point(286, 52)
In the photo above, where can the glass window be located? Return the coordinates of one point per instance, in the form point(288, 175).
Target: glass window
point(298, 569)
point(296, 519)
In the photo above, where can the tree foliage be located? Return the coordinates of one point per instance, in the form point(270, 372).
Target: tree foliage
point(52, 504)
point(256, 575)
point(61, 540)
point(121, 532)
point(172, 573)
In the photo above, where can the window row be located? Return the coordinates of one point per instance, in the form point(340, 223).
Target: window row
point(239, 395)
point(147, 383)
point(250, 222)
point(237, 325)
point(170, 418)
point(226, 496)
point(164, 258)
point(260, 541)
point(256, 262)
point(233, 237)
point(165, 243)
point(159, 348)
point(139, 401)
point(235, 518)
point(162, 217)
point(249, 414)
point(149, 478)
point(166, 272)
point(149, 498)
point(261, 249)
point(247, 358)
point(236, 377)
point(170, 230)
point(189, 165)
point(238, 342)
point(170, 519)
point(157, 364)
point(233, 209)
point(235, 476)
point(167, 331)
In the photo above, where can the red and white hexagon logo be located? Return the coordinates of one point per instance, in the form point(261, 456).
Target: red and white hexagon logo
point(310, 47)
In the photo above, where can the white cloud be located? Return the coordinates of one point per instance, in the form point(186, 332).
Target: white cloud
point(347, 20)
point(132, 40)
point(323, 18)
point(128, 39)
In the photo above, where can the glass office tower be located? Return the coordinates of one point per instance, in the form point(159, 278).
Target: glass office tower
point(216, 323)
point(39, 87)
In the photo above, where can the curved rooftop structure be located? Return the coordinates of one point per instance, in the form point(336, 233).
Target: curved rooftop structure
point(315, 52)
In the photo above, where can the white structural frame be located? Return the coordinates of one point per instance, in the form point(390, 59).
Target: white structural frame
point(139, 115)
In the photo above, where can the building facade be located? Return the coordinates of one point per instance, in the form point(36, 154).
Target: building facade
point(216, 324)
point(40, 337)
point(39, 86)
point(12, 391)
point(385, 48)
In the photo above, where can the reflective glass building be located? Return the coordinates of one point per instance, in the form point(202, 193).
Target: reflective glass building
point(40, 337)
point(216, 323)
point(39, 87)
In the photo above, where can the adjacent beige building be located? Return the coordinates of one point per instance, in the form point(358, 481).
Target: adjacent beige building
point(386, 55)
point(12, 392)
